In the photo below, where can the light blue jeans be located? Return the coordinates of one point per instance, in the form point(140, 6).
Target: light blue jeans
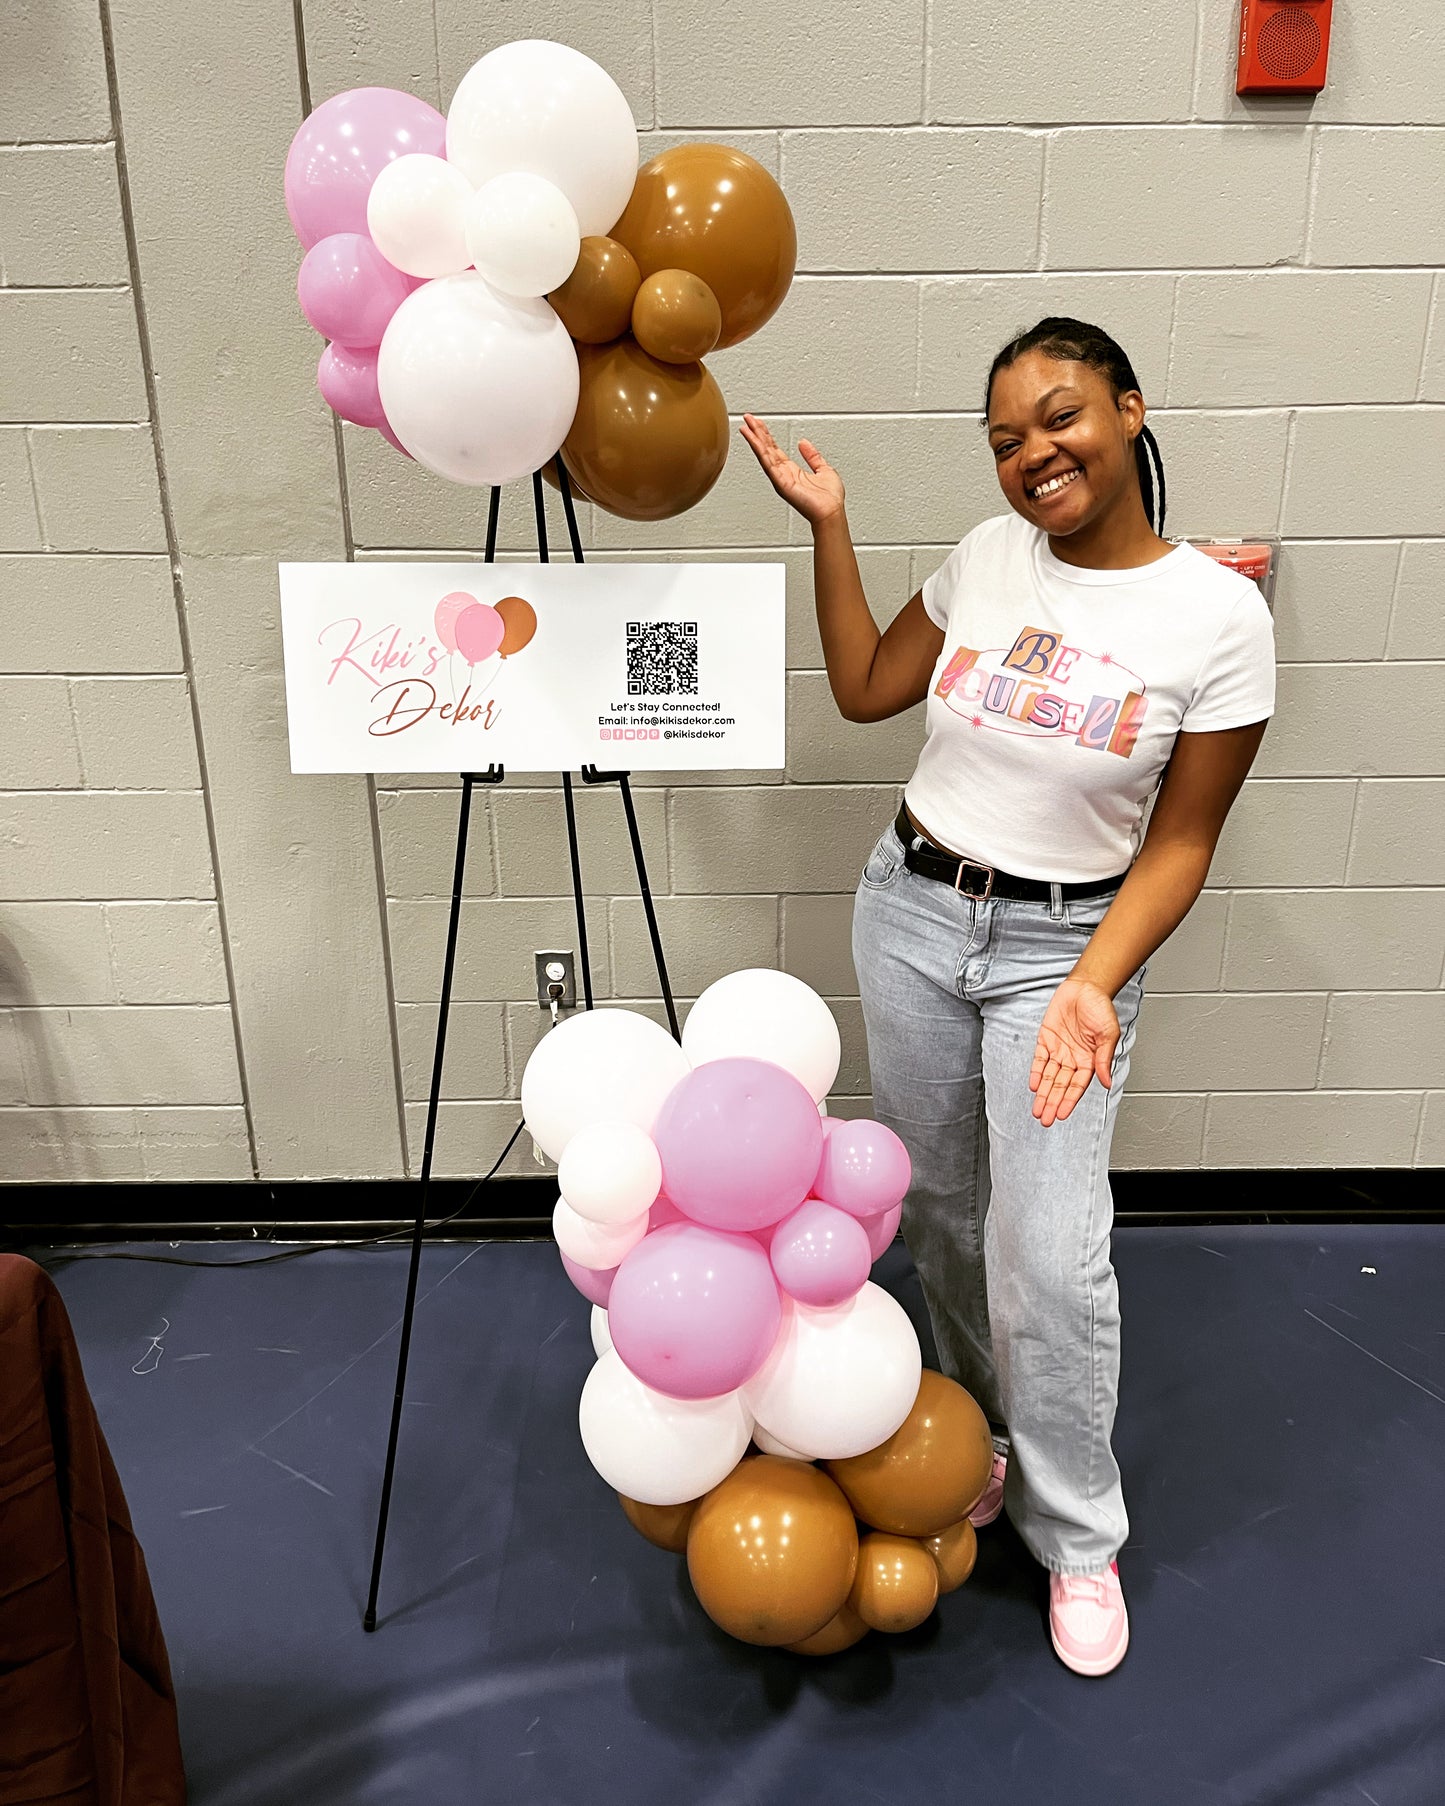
point(1007, 1222)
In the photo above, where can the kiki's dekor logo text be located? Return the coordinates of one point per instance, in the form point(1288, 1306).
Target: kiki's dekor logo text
point(1044, 689)
point(482, 633)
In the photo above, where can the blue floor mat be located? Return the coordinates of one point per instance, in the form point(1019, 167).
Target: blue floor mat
point(1281, 1433)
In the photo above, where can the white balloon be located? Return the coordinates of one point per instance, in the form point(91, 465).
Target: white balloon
point(766, 1015)
point(655, 1449)
point(478, 386)
point(592, 1244)
point(610, 1171)
point(771, 1445)
point(601, 1333)
point(547, 109)
point(416, 214)
point(839, 1380)
point(522, 234)
point(598, 1066)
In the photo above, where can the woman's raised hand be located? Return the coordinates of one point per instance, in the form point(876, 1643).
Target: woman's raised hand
point(817, 492)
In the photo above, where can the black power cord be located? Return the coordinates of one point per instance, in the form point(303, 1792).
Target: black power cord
point(396, 1232)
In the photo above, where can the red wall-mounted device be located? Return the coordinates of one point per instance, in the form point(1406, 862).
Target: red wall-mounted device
point(1284, 46)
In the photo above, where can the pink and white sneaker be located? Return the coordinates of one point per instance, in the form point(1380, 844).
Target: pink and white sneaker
point(991, 1504)
point(1088, 1620)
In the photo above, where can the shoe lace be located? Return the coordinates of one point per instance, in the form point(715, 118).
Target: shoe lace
point(1091, 1589)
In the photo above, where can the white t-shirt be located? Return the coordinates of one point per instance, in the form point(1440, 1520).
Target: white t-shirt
point(1060, 691)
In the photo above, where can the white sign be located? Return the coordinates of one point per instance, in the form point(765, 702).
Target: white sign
point(537, 667)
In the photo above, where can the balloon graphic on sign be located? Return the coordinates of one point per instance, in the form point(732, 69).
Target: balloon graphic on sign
point(479, 631)
point(519, 619)
point(446, 616)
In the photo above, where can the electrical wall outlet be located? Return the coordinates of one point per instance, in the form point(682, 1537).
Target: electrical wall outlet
point(553, 969)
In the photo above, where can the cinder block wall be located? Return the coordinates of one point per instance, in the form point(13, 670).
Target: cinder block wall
point(212, 969)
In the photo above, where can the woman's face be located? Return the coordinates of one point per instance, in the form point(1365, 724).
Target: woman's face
point(1048, 418)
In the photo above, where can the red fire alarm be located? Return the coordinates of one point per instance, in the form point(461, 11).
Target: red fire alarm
point(1284, 46)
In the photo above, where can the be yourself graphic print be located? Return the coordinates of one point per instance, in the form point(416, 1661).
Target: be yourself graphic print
point(1041, 686)
point(1060, 689)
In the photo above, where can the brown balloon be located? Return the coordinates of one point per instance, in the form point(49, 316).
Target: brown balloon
point(718, 213)
point(772, 1551)
point(649, 439)
point(595, 302)
point(549, 474)
point(954, 1552)
point(520, 620)
point(675, 317)
point(930, 1472)
point(664, 1525)
point(897, 1583)
point(837, 1634)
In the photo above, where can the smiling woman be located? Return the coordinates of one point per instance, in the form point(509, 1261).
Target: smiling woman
point(1074, 663)
point(1079, 440)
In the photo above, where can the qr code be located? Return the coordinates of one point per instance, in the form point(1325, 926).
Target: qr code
point(662, 658)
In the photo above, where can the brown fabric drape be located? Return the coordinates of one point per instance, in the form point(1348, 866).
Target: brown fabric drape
point(87, 1709)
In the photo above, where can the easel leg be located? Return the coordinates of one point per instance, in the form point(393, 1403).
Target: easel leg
point(647, 905)
point(409, 1311)
point(576, 859)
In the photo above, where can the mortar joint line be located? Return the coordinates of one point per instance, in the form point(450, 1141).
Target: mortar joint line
point(1432, 329)
point(34, 489)
point(132, 244)
point(1394, 603)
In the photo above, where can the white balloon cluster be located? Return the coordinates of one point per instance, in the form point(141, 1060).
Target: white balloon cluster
point(541, 150)
point(833, 1381)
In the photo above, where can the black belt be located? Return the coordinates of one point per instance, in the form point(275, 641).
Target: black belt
point(971, 878)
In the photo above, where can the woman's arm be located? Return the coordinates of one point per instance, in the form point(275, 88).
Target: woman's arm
point(1080, 1030)
point(872, 675)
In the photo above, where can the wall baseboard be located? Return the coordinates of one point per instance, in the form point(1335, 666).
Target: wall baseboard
point(521, 1208)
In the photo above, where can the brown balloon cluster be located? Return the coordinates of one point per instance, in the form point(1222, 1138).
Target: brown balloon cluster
point(809, 1558)
point(701, 257)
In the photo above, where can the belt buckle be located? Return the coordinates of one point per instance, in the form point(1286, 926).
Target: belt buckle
point(978, 896)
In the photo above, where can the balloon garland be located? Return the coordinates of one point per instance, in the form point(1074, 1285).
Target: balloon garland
point(723, 1230)
point(504, 283)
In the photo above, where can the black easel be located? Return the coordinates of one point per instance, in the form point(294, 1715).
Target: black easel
point(494, 774)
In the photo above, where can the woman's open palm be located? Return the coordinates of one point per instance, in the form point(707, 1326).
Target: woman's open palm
point(816, 492)
point(1076, 1043)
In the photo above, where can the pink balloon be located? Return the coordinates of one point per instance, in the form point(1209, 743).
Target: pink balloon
point(348, 290)
point(820, 1254)
point(882, 1229)
point(595, 1287)
point(694, 1312)
point(663, 1212)
point(864, 1169)
point(390, 437)
point(341, 149)
point(446, 616)
point(479, 630)
point(346, 377)
point(740, 1141)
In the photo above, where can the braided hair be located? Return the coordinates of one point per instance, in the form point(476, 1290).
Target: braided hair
point(1075, 342)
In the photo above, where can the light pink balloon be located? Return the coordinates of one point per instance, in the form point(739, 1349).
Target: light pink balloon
point(595, 1287)
point(346, 378)
point(390, 437)
point(479, 630)
point(864, 1168)
point(694, 1312)
point(740, 1141)
point(882, 1229)
point(347, 289)
point(820, 1254)
point(446, 616)
point(343, 146)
